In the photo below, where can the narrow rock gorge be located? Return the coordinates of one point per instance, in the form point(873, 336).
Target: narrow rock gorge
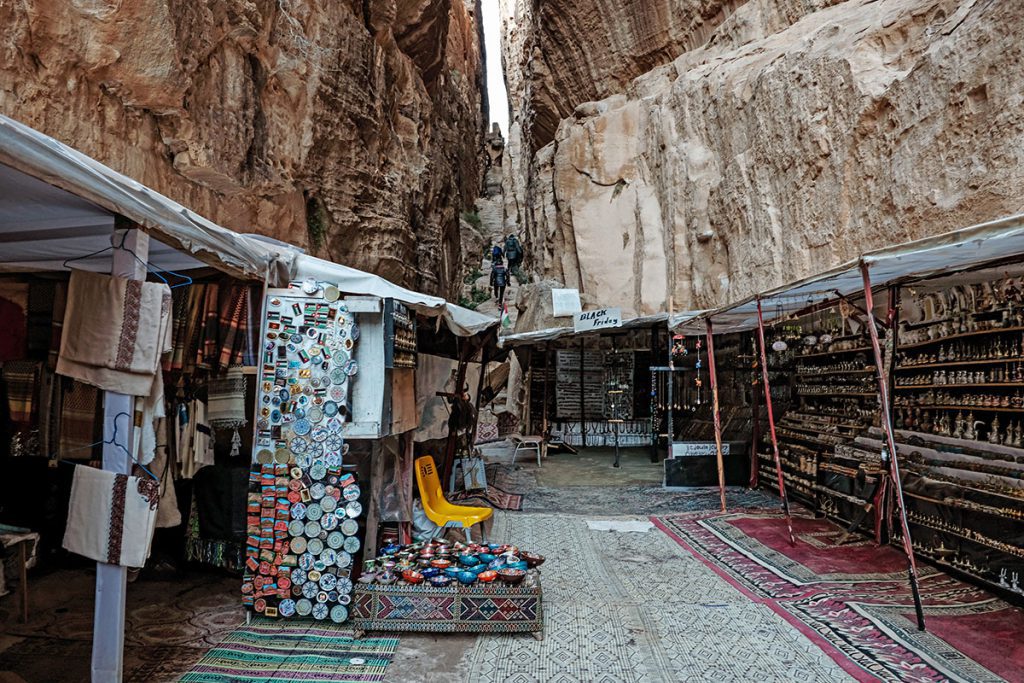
point(352, 128)
point(692, 152)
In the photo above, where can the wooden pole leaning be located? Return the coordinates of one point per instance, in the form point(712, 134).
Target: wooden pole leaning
point(771, 422)
point(890, 440)
point(717, 415)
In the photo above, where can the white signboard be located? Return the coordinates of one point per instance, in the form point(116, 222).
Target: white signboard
point(692, 449)
point(565, 302)
point(597, 320)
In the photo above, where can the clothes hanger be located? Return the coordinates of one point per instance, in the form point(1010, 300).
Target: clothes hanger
point(150, 268)
point(113, 441)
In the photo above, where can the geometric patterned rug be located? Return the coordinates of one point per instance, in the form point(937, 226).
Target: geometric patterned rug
point(854, 601)
point(268, 651)
point(634, 607)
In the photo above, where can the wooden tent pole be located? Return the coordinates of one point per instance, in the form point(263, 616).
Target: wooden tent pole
point(717, 415)
point(890, 439)
point(771, 422)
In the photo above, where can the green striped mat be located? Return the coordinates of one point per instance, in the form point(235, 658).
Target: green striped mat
point(268, 651)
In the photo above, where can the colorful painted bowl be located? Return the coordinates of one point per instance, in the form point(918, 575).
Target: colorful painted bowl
point(487, 576)
point(466, 577)
point(478, 569)
point(532, 559)
point(386, 578)
point(440, 581)
point(487, 557)
point(431, 572)
point(518, 565)
point(452, 572)
point(412, 576)
point(468, 560)
point(390, 549)
point(496, 564)
point(423, 561)
point(495, 547)
point(441, 563)
point(512, 576)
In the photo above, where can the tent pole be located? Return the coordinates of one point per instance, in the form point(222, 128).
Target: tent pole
point(890, 439)
point(547, 383)
point(716, 413)
point(771, 422)
point(669, 423)
point(583, 406)
point(112, 579)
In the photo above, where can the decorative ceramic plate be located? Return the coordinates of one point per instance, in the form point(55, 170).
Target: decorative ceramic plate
point(298, 511)
point(295, 527)
point(314, 512)
point(303, 607)
point(320, 611)
point(306, 561)
point(318, 471)
point(334, 442)
point(335, 540)
point(298, 545)
point(316, 492)
point(351, 493)
point(351, 545)
point(344, 586)
point(313, 529)
point(333, 459)
point(299, 445)
point(329, 522)
point(302, 427)
point(354, 509)
point(339, 613)
point(329, 556)
point(316, 415)
point(328, 504)
point(316, 546)
point(286, 608)
point(344, 560)
point(349, 527)
point(350, 368)
point(328, 582)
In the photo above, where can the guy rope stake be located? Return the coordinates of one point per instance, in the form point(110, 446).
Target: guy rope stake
point(890, 440)
point(718, 418)
point(771, 422)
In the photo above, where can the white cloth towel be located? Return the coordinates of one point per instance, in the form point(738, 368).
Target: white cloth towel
point(111, 516)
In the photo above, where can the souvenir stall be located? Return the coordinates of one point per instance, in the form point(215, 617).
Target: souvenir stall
point(595, 387)
point(915, 350)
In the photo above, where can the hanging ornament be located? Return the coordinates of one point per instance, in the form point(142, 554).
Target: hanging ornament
point(779, 346)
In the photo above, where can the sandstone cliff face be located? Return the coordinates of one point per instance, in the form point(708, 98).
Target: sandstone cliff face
point(782, 146)
point(351, 128)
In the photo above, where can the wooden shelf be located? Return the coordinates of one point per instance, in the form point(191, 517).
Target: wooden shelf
point(905, 387)
point(962, 335)
point(994, 409)
point(834, 372)
point(836, 393)
point(956, 363)
point(860, 349)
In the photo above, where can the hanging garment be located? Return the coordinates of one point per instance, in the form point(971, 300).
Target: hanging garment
point(188, 311)
point(13, 323)
point(60, 303)
point(195, 445)
point(167, 514)
point(148, 411)
point(233, 326)
point(115, 331)
point(226, 404)
point(111, 516)
point(79, 425)
point(22, 377)
point(206, 348)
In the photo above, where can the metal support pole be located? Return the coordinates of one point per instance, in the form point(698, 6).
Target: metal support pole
point(671, 387)
point(111, 579)
point(771, 422)
point(717, 415)
point(583, 405)
point(890, 439)
point(547, 383)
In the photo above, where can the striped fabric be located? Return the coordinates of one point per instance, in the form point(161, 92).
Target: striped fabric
point(268, 651)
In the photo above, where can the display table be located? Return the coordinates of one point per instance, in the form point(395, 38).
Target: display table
point(480, 608)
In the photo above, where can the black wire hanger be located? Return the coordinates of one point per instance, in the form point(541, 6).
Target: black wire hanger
point(187, 281)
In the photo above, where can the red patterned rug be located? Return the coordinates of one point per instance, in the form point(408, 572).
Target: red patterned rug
point(853, 600)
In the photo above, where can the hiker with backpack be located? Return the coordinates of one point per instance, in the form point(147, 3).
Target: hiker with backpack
point(513, 252)
point(499, 280)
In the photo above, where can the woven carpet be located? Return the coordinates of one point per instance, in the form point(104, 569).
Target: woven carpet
point(492, 496)
point(267, 651)
point(634, 607)
point(853, 600)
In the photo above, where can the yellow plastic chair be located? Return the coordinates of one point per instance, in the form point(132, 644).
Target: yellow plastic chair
point(438, 509)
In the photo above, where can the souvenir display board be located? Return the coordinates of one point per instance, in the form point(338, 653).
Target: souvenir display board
point(303, 508)
point(568, 384)
point(399, 335)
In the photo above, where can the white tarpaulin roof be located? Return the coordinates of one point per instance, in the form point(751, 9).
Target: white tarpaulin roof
point(553, 333)
point(57, 203)
point(461, 321)
point(41, 225)
point(949, 252)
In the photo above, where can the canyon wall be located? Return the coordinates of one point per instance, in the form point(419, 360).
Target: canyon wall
point(351, 128)
point(797, 135)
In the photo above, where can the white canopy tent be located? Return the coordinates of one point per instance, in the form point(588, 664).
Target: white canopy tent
point(58, 204)
point(964, 249)
point(554, 333)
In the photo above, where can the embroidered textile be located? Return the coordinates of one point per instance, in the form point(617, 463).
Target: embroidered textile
point(195, 445)
point(115, 332)
point(111, 516)
point(80, 426)
point(22, 377)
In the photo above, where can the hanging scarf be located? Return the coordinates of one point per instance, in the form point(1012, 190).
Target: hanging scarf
point(226, 404)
